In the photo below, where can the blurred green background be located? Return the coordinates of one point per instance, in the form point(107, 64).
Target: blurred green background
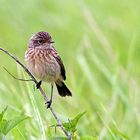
point(99, 44)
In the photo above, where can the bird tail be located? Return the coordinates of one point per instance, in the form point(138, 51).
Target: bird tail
point(63, 90)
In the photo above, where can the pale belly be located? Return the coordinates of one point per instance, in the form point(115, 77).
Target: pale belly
point(49, 72)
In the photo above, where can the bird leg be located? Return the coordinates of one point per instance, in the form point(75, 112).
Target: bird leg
point(38, 84)
point(50, 101)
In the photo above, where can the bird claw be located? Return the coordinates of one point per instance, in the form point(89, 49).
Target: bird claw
point(48, 103)
point(38, 84)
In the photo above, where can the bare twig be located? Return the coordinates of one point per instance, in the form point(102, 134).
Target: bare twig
point(16, 77)
point(40, 89)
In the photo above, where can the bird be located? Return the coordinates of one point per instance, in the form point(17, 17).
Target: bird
point(44, 62)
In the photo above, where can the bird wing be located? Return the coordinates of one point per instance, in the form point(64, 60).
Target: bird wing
point(60, 62)
point(63, 73)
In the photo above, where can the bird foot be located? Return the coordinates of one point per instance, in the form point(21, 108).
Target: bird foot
point(38, 84)
point(48, 103)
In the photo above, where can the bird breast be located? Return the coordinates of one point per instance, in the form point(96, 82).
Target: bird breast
point(42, 64)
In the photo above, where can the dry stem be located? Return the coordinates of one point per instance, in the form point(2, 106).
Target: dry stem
point(40, 89)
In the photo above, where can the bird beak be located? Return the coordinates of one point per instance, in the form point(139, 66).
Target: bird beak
point(52, 42)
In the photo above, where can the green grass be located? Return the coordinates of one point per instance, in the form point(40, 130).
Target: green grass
point(99, 44)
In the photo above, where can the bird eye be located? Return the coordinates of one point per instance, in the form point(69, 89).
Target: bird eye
point(40, 41)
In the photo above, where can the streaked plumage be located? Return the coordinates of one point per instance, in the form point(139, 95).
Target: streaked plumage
point(44, 62)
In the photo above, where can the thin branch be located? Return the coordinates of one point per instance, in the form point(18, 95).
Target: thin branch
point(40, 89)
point(16, 59)
point(16, 77)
